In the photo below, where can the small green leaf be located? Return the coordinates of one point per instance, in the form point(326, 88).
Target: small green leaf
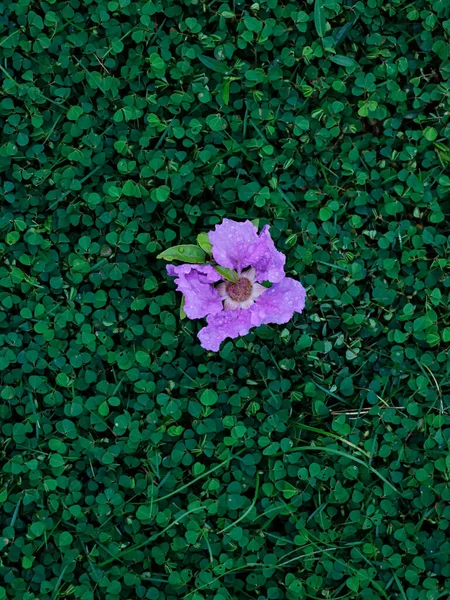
point(216, 122)
point(156, 62)
point(161, 193)
point(209, 398)
point(182, 313)
point(325, 213)
point(37, 528)
point(343, 32)
point(65, 539)
point(121, 146)
point(343, 61)
point(103, 409)
point(229, 274)
point(62, 380)
point(319, 18)
point(226, 91)
point(74, 113)
point(144, 513)
point(430, 134)
point(12, 238)
point(214, 65)
point(204, 243)
point(189, 253)
point(353, 583)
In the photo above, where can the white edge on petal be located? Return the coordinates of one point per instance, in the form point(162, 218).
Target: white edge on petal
point(246, 303)
point(230, 304)
point(258, 289)
point(222, 289)
point(250, 274)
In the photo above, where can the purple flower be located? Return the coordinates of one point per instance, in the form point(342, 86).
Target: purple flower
point(232, 308)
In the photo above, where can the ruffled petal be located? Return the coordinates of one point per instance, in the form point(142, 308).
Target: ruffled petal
point(227, 324)
point(195, 282)
point(270, 265)
point(276, 305)
point(236, 245)
point(279, 303)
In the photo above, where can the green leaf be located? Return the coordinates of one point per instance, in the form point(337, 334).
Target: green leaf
point(182, 313)
point(75, 113)
point(161, 193)
point(430, 134)
point(216, 122)
point(143, 358)
point(248, 190)
point(325, 213)
point(319, 18)
point(343, 61)
point(37, 528)
point(226, 91)
point(103, 409)
point(228, 274)
point(203, 242)
point(62, 380)
point(121, 146)
point(343, 32)
point(65, 539)
point(12, 238)
point(214, 65)
point(150, 284)
point(189, 253)
point(209, 398)
point(353, 583)
point(156, 62)
point(144, 513)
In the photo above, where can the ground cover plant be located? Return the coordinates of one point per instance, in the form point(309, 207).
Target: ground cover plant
point(303, 460)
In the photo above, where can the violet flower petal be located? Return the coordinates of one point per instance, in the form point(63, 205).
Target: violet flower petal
point(227, 324)
point(279, 303)
point(195, 282)
point(270, 265)
point(236, 245)
point(276, 305)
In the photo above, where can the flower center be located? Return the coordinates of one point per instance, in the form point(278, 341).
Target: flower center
point(239, 291)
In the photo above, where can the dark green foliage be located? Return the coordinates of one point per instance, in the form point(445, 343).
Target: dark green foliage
point(303, 461)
